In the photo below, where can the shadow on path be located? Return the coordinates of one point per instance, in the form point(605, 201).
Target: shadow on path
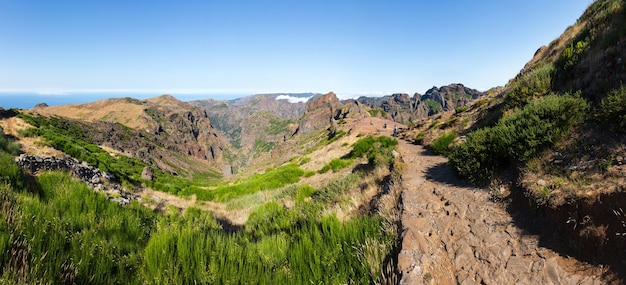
point(443, 173)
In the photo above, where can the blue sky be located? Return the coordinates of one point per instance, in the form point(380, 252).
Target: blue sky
point(370, 47)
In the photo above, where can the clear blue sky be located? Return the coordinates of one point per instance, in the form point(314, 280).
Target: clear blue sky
point(272, 46)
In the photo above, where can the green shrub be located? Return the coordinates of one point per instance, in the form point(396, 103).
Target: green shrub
point(518, 137)
point(28, 133)
point(336, 165)
point(613, 111)
point(419, 138)
point(442, 144)
point(460, 109)
point(8, 145)
point(527, 87)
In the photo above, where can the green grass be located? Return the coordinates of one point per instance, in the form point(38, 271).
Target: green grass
point(336, 165)
point(375, 112)
point(73, 139)
point(68, 234)
point(269, 180)
point(433, 105)
point(59, 231)
point(278, 126)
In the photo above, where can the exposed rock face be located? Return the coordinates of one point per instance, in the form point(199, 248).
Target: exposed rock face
point(96, 179)
point(320, 112)
point(354, 110)
point(405, 109)
point(187, 130)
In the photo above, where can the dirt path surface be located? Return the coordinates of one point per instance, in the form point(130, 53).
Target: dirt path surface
point(453, 234)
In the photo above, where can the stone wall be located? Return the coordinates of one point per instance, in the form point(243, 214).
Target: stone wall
point(99, 180)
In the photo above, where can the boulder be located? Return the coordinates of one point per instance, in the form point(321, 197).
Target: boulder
point(148, 174)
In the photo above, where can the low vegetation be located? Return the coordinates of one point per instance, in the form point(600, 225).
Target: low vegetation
point(527, 87)
point(269, 180)
point(517, 137)
point(613, 111)
point(442, 144)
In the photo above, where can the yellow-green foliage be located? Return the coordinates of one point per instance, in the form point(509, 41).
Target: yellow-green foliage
point(66, 234)
point(336, 165)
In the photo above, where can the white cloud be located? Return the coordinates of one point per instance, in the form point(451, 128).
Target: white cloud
point(355, 95)
point(292, 99)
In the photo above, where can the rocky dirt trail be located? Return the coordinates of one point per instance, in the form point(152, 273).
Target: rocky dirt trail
point(454, 234)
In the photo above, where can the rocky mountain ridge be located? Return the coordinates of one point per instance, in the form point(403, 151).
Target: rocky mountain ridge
point(406, 109)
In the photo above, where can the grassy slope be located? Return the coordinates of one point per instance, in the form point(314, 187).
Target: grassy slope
point(86, 239)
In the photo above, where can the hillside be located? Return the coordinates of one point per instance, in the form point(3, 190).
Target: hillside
point(550, 144)
point(153, 130)
point(139, 199)
point(253, 125)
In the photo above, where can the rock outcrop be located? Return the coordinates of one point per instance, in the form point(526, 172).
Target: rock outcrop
point(96, 179)
point(320, 113)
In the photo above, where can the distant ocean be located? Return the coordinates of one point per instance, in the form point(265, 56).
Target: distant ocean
point(26, 100)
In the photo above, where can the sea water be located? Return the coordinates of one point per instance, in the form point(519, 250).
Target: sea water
point(27, 100)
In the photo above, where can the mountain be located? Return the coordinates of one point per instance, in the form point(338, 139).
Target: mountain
point(254, 124)
point(157, 131)
point(405, 109)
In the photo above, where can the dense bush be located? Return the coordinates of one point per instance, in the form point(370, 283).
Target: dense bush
point(527, 87)
point(613, 111)
point(518, 137)
point(442, 144)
